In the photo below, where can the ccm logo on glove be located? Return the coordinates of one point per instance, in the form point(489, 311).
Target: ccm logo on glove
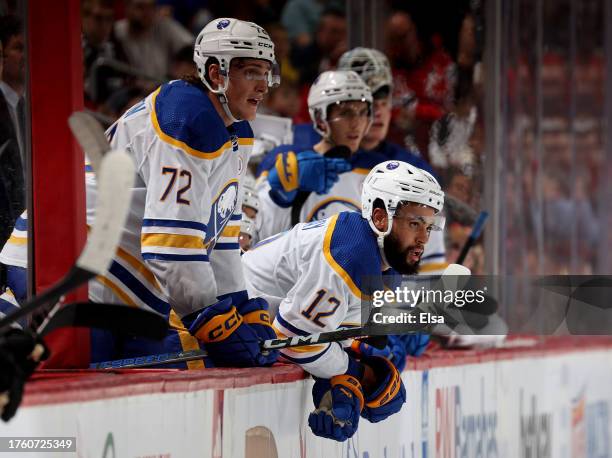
point(258, 317)
point(220, 327)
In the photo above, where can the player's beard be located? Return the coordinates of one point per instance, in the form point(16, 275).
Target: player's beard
point(396, 257)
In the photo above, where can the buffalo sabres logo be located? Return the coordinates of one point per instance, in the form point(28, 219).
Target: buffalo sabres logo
point(222, 210)
point(223, 23)
point(392, 165)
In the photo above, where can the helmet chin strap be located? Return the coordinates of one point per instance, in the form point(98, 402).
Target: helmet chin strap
point(226, 108)
point(328, 137)
point(380, 239)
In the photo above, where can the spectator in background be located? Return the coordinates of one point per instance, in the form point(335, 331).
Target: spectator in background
point(301, 18)
point(423, 75)
point(13, 75)
point(459, 185)
point(182, 64)
point(282, 48)
point(329, 44)
point(322, 54)
point(120, 101)
point(283, 100)
point(98, 43)
point(12, 124)
point(150, 41)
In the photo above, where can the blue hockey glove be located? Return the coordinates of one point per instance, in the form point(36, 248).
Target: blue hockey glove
point(388, 396)
point(339, 402)
point(255, 313)
point(395, 351)
point(306, 171)
point(414, 344)
point(230, 341)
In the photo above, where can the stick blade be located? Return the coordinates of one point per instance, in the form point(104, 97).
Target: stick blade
point(90, 136)
point(115, 182)
point(118, 318)
point(451, 277)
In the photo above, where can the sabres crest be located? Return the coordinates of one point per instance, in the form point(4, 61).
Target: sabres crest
point(221, 211)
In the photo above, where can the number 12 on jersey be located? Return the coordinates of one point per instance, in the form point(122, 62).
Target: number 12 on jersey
point(331, 301)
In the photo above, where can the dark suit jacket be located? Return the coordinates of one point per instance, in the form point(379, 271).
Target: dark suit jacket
point(12, 184)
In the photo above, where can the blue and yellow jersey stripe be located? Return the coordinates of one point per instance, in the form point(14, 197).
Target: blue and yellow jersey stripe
point(173, 240)
point(350, 248)
point(179, 106)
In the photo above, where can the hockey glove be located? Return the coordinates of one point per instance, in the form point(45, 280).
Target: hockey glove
point(255, 313)
point(414, 344)
point(339, 402)
point(230, 341)
point(389, 394)
point(398, 346)
point(306, 171)
point(20, 354)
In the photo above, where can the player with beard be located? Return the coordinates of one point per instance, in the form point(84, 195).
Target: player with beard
point(316, 275)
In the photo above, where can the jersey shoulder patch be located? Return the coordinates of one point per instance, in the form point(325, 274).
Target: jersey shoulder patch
point(351, 250)
point(184, 116)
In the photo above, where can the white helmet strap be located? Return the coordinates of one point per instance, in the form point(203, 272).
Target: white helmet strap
point(220, 91)
point(226, 108)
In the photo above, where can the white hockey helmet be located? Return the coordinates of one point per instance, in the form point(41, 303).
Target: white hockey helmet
point(371, 65)
point(334, 87)
point(395, 182)
point(225, 39)
point(249, 194)
point(247, 226)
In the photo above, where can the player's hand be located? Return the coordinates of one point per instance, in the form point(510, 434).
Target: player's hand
point(255, 313)
point(307, 171)
point(20, 354)
point(388, 395)
point(413, 344)
point(398, 347)
point(339, 402)
point(318, 173)
point(229, 340)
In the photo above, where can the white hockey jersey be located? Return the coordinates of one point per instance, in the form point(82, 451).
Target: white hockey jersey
point(179, 249)
point(345, 195)
point(14, 253)
point(314, 277)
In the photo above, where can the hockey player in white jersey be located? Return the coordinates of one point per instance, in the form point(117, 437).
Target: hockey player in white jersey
point(316, 275)
point(282, 208)
point(308, 185)
point(191, 142)
point(179, 254)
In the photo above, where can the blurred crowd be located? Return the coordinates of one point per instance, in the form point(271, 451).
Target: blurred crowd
point(131, 46)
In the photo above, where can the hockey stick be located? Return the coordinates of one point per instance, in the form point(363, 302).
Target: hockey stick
point(275, 344)
point(90, 136)
point(118, 318)
point(476, 230)
point(116, 178)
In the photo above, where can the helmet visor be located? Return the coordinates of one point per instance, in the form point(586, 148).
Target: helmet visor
point(251, 73)
point(418, 222)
